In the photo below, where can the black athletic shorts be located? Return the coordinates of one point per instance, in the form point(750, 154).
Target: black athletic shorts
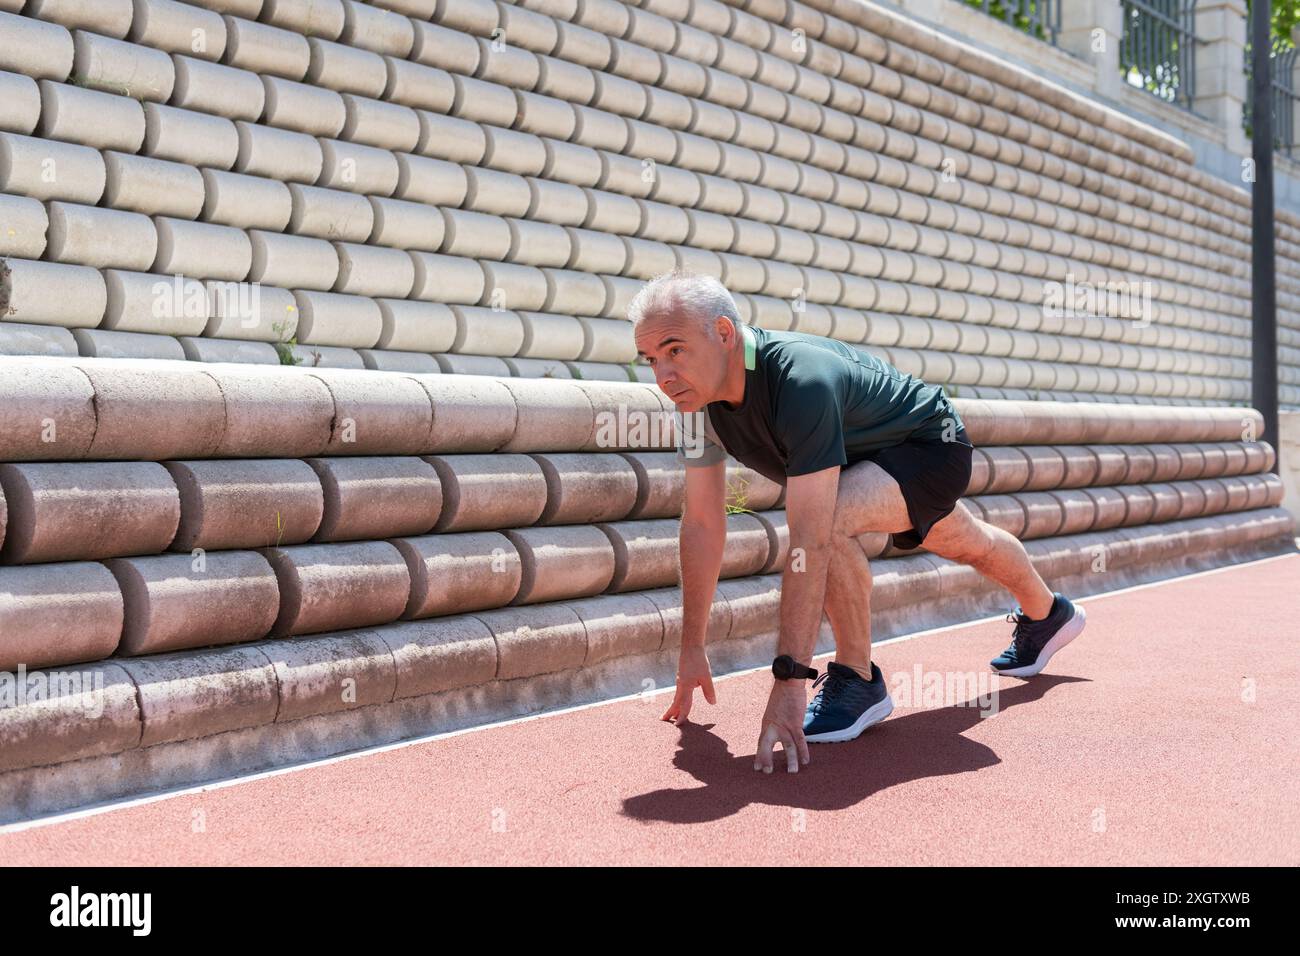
point(932, 474)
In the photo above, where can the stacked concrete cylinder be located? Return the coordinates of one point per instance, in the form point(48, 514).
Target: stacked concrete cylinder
point(479, 187)
point(274, 534)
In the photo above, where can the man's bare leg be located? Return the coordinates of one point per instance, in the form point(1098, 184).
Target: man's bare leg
point(869, 499)
point(996, 554)
point(848, 605)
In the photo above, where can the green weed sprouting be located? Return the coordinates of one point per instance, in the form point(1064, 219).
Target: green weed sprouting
point(737, 492)
point(283, 346)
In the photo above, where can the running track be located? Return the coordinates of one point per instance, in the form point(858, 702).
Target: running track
point(1135, 747)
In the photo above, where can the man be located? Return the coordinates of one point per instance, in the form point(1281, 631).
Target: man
point(861, 447)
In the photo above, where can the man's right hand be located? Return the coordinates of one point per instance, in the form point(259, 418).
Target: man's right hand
point(692, 672)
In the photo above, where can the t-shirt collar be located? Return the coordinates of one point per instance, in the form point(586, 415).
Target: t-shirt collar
point(751, 346)
point(751, 361)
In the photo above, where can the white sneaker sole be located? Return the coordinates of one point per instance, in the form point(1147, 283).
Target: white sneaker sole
point(1068, 632)
point(872, 715)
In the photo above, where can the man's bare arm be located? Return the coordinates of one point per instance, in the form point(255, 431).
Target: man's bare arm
point(810, 514)
point(701, 540)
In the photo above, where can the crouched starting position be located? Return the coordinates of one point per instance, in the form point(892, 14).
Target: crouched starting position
point(861, 447)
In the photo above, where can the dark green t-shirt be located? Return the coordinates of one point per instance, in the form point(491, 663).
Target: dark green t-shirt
point(810, 403)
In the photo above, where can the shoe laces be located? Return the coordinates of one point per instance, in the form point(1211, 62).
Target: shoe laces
point(1019, 636)
point(830, 690)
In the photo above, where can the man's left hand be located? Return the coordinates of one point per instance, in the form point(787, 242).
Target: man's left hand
point(783, 721)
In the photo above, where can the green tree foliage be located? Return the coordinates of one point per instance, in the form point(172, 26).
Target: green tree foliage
point(1021, 17)
point(1284, 19)
point(1286, 14)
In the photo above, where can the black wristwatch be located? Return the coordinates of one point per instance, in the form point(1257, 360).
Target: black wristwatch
point(786, 667)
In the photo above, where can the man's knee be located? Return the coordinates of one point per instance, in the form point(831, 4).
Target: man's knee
point(967, 541)
point(844, 546)
point(979, 548)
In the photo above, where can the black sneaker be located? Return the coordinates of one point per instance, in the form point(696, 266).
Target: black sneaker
point(1034, 642)
point(846, 704)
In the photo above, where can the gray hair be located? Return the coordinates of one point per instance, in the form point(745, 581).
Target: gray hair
point(700, 297)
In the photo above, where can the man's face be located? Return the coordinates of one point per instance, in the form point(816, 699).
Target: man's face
point(689, 368)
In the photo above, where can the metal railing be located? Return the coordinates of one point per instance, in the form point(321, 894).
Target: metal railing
point(1038, 18)
point(1158, 49)
point(1282, 64)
